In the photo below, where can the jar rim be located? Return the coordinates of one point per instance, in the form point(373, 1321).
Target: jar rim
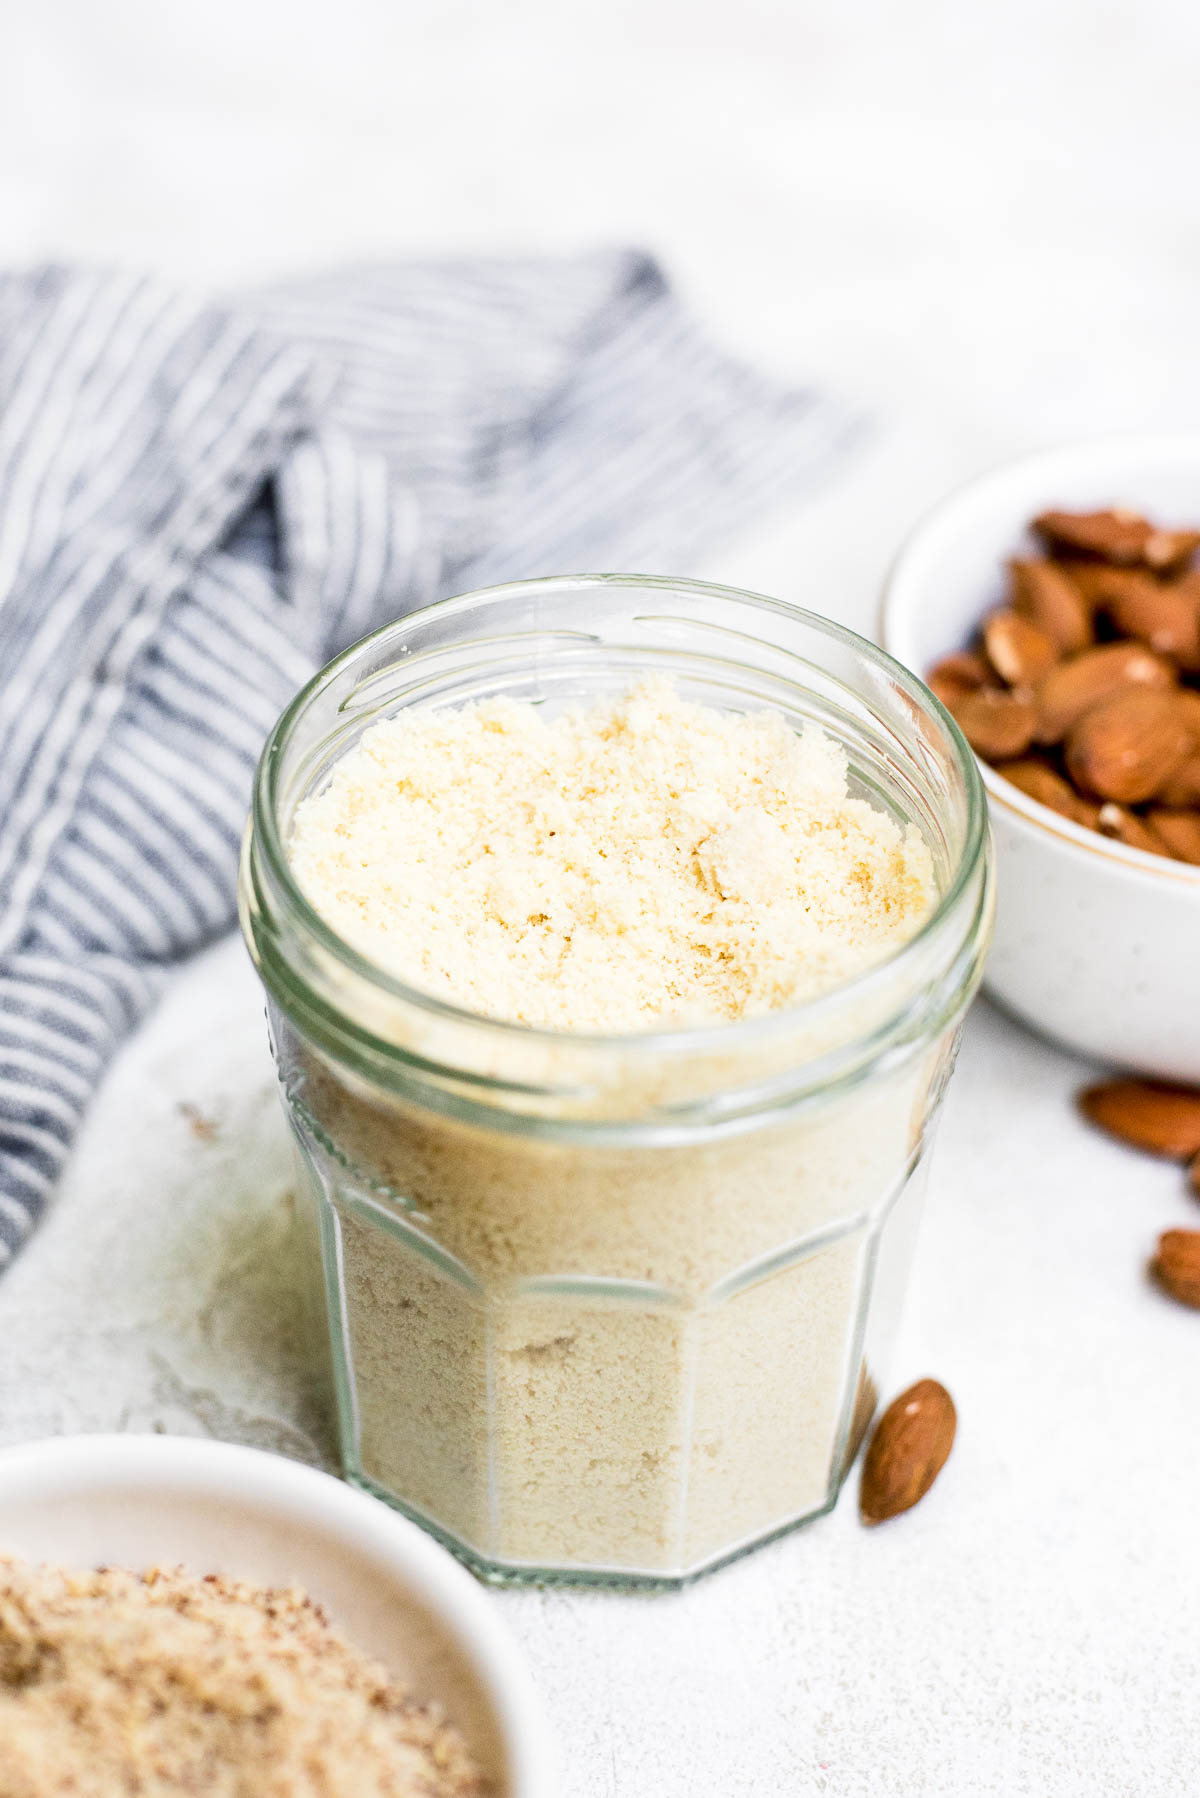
point(264, 834)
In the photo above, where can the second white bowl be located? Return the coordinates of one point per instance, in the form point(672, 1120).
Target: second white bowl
point(136, 1501)
point(1096, 945)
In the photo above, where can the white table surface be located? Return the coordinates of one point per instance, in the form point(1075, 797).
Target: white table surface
point(981, 222)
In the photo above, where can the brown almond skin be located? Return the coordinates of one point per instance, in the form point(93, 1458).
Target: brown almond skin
point(1188, 585)
point(1179, 830)
point(1019, 650)
point(1094, 581)
point(1073, 687)
point(1124, 826)
point(1046, 596)
point(1187, 704)
point(1127, 747)
point(998, 726)
point(1176, 1266)
point(1117, 535)
point(1104, 586)
point(1147, 1114)
point(1183, 788)
point(1042, 783)
point(910, 1447)
point(1166, 618)
point(957, 675)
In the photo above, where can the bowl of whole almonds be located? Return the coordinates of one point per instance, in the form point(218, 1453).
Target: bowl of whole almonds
point(1054, 609)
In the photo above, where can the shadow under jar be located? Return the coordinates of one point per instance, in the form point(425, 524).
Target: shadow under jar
point(615, 1308)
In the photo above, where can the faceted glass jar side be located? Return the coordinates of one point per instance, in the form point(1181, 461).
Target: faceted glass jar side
point(622, 1382)
point(617, 1309)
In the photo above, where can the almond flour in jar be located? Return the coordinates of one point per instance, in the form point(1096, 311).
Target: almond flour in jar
point(626, 866)
point(612, 1258)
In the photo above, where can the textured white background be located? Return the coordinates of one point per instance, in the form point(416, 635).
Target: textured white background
point(980, 221)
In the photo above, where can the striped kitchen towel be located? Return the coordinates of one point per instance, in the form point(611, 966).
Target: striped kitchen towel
point(200, 502)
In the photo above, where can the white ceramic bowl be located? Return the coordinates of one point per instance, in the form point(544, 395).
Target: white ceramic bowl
point(137, 1500)
point(1096, 945)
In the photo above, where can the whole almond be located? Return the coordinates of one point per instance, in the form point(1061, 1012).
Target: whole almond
point(1179, 830)
point(1046, 596)
point(1117, 535)
point(1166, 617)
point(1147, 1114)
point(1124, 826)
point(1020, 651)
point(910, 1446)
point(1127, 747)
point(1176, 1266)
point(997, 725)
point(1183, 788)
point(1043, 783)
point(956, 675)
point(1075, 686)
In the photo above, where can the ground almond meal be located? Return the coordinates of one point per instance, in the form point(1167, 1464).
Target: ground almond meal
point(578, 1351)
point(163, 1683)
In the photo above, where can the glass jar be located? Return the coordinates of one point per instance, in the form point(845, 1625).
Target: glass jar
point(615, 1308)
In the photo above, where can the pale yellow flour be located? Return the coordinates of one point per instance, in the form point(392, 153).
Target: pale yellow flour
point(643, 861)
point(621, 1354)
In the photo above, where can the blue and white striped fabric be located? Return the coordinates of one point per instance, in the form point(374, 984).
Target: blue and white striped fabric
point(200, 502)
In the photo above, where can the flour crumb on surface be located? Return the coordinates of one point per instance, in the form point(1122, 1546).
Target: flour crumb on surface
point(636, 863)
